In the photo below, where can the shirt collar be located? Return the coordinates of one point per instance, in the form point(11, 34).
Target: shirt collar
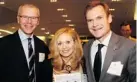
point(23, 36)
point(105, 41)
point(130, 37)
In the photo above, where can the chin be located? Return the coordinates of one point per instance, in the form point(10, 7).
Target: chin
point(97, 37)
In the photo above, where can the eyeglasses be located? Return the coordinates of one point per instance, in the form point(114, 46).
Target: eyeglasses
point(33, 18)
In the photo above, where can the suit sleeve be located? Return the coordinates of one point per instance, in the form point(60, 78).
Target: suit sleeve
point(132, 64)
point(47, 70)
point(2, 60)
point(48, 64)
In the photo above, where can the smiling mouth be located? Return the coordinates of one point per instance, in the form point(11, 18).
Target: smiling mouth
point(28, 25)
point(65, 51)
point(96, 29)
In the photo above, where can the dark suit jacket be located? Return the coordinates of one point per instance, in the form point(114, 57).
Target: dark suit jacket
point(13, 63)
point(119, 49)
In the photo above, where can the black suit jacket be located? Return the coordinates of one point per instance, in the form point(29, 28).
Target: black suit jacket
point(13, 63)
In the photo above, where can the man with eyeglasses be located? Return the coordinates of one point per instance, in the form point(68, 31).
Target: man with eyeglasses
point(24, 57)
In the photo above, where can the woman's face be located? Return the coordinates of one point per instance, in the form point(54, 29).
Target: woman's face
point(65, 45)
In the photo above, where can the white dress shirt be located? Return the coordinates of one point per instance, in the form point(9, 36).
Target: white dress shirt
point(94, 49)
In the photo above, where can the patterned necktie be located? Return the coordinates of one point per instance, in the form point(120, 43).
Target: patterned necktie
point(31, 61)
point(97, 63)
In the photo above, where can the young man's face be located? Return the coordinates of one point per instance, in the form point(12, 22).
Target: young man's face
point(126, 31)
point(98, 22)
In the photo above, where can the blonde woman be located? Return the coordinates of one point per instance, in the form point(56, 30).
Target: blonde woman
point(66, 53)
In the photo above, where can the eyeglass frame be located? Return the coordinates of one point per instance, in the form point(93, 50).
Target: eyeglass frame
point(33, 18)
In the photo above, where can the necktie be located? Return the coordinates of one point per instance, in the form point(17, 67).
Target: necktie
point(31, 62)
point(97, 63)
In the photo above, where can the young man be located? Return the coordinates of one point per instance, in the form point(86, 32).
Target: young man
point(126, 31)
point(23, 57)
point(109, 57)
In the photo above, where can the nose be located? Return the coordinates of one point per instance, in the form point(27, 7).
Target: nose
point(64, 45)
point(94, 23)
point(29, 20)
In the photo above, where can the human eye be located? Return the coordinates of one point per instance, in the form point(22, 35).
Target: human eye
point(34, 18)
point(59, 43)
point(89, 20)
point(99, 17)
point(25, 17)
point(67, 42)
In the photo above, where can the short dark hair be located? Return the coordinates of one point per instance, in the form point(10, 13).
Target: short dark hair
point(125, 23)
point(95, 3)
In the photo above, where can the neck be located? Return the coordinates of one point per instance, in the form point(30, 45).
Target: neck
point(66, 59)
point(104, 37)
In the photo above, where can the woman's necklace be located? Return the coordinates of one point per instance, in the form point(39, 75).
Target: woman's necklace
point(65, 66)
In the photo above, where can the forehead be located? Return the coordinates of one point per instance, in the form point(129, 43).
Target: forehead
point(29, 11)
point(127, 27)
point(64, 37)
point(95, 11)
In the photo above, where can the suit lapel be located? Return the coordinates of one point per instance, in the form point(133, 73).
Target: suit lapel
point(109, 54)
point(20, 51)
point(36, 54)
point(89, 62)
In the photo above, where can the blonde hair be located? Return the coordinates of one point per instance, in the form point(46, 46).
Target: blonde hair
point(29, 6)
point(76, 55)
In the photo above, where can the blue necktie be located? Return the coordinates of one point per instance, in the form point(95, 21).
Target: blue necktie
point(31, 62)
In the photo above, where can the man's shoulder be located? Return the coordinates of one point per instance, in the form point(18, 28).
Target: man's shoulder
point(7, 38)
point(7, 42)
point(87, 44)
point(39, 41)
point(126, 41)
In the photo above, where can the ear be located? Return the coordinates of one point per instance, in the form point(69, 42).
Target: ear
point(38, 21)
point(109, 18)
point(18, 19)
